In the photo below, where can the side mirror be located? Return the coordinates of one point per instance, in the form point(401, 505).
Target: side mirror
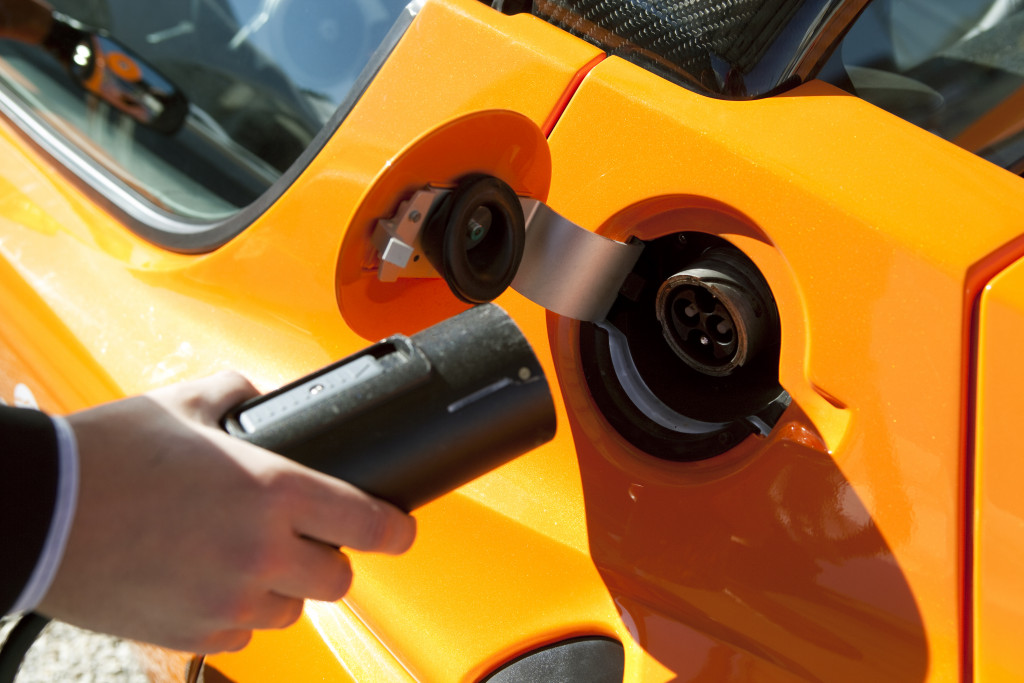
point(109, 70)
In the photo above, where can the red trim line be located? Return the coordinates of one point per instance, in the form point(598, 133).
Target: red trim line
point(563, 101)
point(978, 278)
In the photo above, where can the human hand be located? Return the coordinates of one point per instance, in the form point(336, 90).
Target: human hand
point(188, 538)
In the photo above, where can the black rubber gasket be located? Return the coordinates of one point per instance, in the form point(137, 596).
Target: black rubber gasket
point(477, 271)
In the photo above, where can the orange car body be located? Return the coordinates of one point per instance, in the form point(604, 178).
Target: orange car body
point(874, 534)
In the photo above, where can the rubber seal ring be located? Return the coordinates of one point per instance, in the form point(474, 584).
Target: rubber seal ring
point(477, 268)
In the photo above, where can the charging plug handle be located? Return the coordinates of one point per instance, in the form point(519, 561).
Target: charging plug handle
point(411, 418)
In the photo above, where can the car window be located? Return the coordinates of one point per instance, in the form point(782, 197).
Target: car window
point(953, 67)
point(252, 82)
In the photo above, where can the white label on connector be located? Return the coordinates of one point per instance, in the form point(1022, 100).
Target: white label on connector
point(285, 406)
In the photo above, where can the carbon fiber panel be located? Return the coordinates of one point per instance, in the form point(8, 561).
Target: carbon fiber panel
point(731, 48)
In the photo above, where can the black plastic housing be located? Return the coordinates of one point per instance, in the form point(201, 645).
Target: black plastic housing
point(588, 659)
point(411, 418)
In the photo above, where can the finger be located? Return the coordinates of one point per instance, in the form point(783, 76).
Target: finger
point(259, 608)
point(207, 400)
point(230, 640)
point(339, 514)
point(316, 571)
point(273, 611)
point(222, 392)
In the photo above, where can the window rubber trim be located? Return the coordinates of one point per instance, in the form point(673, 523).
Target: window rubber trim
point(166, 229)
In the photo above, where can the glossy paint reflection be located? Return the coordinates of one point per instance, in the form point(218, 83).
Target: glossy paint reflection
point(761, 564)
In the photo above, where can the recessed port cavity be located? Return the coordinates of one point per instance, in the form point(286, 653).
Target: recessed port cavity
point(686, 364)
point(713, 314)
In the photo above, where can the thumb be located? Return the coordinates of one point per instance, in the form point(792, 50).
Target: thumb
point(206, 400)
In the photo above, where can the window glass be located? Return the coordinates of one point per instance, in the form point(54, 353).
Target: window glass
point(198, 105)
point(953, 67)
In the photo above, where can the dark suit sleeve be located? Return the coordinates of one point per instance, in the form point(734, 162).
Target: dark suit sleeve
point(29, 469)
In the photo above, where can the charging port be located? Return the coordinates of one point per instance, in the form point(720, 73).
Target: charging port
point(712, 314)
point(686, 364)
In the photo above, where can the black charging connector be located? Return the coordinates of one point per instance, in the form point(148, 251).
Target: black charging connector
point(411, 418)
